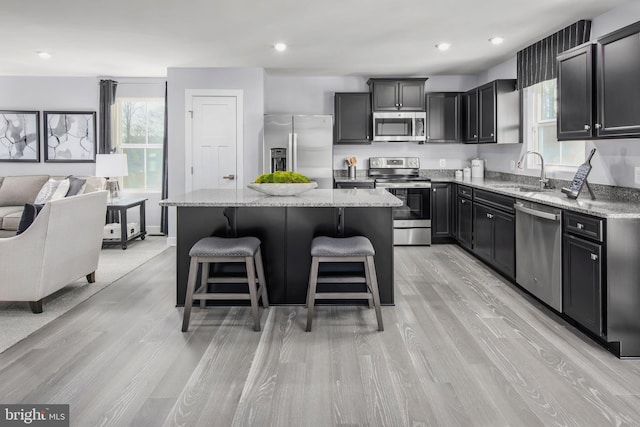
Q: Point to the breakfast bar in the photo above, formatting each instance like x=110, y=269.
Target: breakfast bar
x=286, y=227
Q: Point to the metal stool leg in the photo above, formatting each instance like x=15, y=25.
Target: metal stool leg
x=372, y=282
x=191, y=284
x=311, y=293
x=261, y=279
x=253, y=291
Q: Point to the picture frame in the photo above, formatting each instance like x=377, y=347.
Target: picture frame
x=70, y=136
x=19, y=136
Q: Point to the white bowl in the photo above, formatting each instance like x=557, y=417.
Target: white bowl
x=283, y=189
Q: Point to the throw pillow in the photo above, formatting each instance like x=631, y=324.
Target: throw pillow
x=48, y=191
x=29, y=215
x=62, y=190
x=75, y=185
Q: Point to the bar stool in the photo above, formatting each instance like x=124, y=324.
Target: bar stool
x=345, y=249
x=210, y=250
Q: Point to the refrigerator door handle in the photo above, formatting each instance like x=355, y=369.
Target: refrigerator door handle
x=295, y=153
x=289, y=153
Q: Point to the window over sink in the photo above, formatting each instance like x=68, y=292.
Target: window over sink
x=539, y=103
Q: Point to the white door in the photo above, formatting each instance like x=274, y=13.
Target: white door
x=216, y=130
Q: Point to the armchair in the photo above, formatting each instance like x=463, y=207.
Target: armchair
x=62, y=245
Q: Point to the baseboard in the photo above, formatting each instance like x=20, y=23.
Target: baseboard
x=153, y=230
x=172, y=241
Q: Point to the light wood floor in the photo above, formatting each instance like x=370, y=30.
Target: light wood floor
x=460, y=348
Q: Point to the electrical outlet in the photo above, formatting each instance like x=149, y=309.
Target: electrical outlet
x=443, y=163
x=637, y=174
x=513, y=165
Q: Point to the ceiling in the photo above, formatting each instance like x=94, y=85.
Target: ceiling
x=142, y=38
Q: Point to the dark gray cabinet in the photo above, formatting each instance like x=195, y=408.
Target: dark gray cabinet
x=618, y=83
x=441, y=212
x=355, y=184
x=464, y=217
x=397, y=94
x=352, y=112
x=471, y=116
x=492, y=113
x=599, y=88
x=576, y=113
x=444, y=116
x=582, y=282
x=494, y=231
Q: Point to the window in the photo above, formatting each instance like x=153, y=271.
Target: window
x=540, y=103
x=139, y=133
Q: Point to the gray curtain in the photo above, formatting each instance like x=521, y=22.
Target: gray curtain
x=537, y=62
x=164, y=214
x=107, y=99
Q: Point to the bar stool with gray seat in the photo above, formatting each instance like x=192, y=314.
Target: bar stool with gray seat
x=344, y=249
x=210, y=250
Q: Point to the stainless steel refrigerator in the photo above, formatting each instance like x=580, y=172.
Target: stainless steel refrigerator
x=302, y=144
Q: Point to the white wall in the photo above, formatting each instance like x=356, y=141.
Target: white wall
x=315, y=95
x=67, y=93
x=250, y=81
x=48, y=94
x=615, y=160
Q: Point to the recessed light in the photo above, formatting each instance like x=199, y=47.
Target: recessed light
x=443, y=46
x=496, y=40
x=44, y=55
x=280, y=47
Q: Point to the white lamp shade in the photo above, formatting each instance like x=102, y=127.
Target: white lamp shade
x=111, y=165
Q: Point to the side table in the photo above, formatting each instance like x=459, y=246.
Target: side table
x=121, y=206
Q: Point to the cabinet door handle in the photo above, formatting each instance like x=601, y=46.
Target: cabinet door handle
x=401, y=105
x=579, y=226
x=230, y=177
x=475, y=136
x=492, y=134
x=462, y=202
x=489, y=216
x=597, y=125
x=594, y=257
x=587, y=127
x=434, y=190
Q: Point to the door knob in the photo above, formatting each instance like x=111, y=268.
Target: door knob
x=230, y=177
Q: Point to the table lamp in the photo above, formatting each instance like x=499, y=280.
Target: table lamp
x=112, y=166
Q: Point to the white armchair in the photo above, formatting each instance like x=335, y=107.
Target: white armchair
x=62, y=245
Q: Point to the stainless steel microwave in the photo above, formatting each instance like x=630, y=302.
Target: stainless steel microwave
x=399, y=126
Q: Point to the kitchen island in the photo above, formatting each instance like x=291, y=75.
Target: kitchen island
x=286, y=226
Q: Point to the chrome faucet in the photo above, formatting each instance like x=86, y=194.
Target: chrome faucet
x=544, y=182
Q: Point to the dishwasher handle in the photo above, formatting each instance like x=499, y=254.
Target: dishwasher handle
x=534, y=212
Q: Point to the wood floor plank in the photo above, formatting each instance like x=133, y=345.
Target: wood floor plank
x=461, y=347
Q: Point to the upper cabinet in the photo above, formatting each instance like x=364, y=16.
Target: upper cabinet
x=444, y=116
x=352, y=124
x=492, y=113
x=397, y=94
x=575, y=93
x=599, y=88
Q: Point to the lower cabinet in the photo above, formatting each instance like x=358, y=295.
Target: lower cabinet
x=494, y=238
x=355, y=184
x=465, y=222
x=582, y=282
x=441, y=212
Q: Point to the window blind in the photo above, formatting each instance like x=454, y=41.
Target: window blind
x=537, y=62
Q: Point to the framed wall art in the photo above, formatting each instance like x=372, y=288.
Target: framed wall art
x=19, y=136
x=70, y=136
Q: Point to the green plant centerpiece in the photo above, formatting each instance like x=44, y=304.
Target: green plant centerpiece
x=282, y=177
x=282, y=183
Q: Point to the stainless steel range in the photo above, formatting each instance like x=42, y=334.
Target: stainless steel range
x=401, y=177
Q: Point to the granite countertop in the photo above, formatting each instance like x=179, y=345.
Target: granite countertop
x=602, y=207
x=349, y=198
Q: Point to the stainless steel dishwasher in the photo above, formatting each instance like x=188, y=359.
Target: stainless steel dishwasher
x=539, y=251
